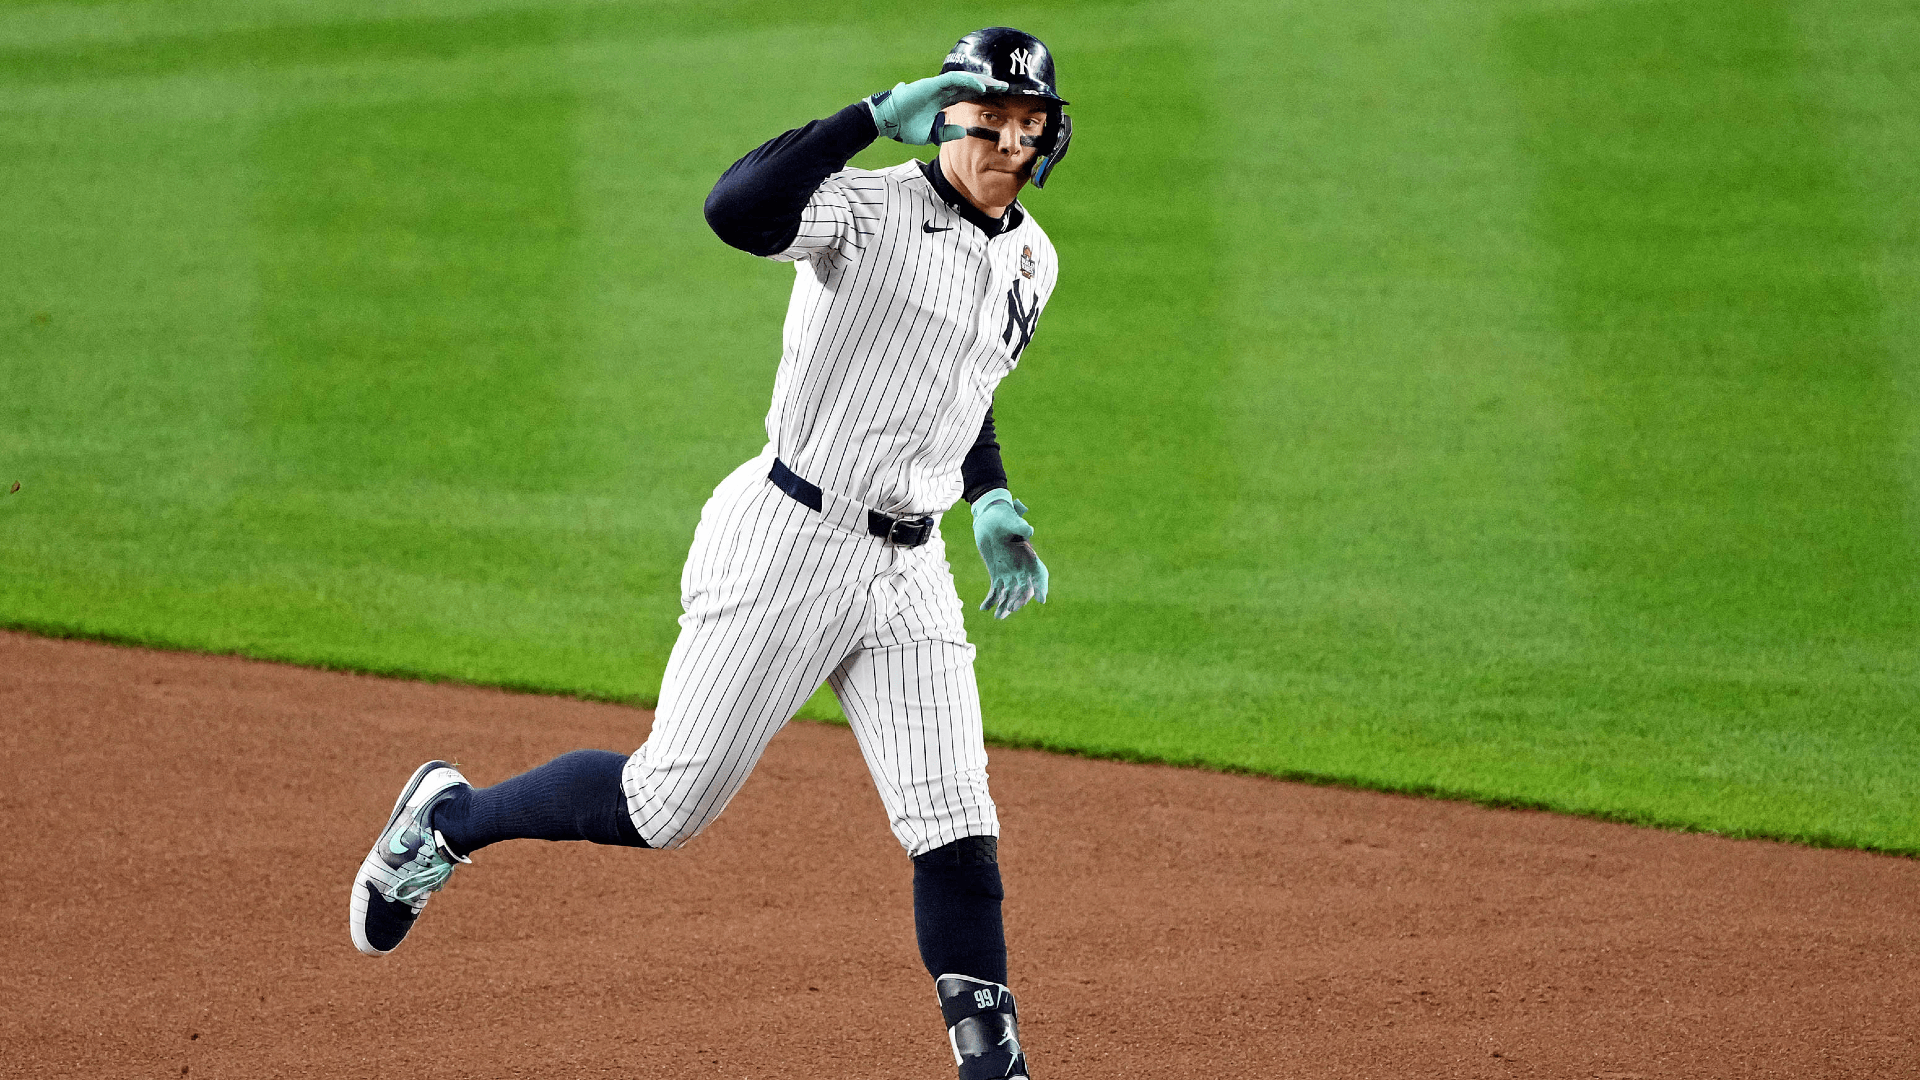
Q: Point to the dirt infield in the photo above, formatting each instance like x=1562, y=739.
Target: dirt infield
x=182, y=832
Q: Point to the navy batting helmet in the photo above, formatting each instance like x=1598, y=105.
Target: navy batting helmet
x=1022, y=62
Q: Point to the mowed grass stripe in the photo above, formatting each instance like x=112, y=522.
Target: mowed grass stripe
x=1738, y=447
x=1400, y=562
x=416, y=253
x=126, y=302
x=1111, y=427
x=1743, y=549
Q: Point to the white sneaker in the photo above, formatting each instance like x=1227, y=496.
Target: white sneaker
x=409, y=862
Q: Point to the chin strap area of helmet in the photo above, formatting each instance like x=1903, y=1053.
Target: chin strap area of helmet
x=1053, y=146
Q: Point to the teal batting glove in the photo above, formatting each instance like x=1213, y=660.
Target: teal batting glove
x=910, y=112
x=1016, y=573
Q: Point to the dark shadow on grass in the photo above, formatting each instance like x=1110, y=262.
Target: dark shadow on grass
x=441, y=37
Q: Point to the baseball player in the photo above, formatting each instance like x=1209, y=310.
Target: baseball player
x=916, y=289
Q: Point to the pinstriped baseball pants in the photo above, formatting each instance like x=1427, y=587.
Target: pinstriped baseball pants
x=777, y=600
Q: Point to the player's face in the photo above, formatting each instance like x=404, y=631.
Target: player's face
x=991, y=164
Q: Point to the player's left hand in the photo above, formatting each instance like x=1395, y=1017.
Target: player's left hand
x=1015, y=570
x=910, y=112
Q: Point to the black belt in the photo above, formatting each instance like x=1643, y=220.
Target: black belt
x=903, y=532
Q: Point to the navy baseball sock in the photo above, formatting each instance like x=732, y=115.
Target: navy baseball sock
x=575, y=796
x=956, y=909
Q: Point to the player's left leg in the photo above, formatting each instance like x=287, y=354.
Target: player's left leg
x=910, y=696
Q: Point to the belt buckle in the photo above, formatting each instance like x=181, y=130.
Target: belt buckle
x=909, y=532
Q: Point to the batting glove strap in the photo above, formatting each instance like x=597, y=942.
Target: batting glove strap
x=911, y=112
x=963, y=997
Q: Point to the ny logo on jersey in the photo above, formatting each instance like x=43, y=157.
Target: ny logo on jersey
x=1022, y=61
x=1020, y=318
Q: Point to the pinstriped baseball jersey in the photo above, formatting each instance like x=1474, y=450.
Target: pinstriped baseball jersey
x=908, y=308
x=903, y=320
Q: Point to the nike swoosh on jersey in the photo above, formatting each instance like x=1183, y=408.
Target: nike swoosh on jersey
x=927, y=226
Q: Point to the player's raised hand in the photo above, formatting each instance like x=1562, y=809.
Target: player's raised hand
x=1014, y=569
x=910, y=112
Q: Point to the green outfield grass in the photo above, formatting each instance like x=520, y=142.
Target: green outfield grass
x=1516, y=400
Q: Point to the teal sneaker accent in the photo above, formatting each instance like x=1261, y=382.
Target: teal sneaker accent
x=435, y=867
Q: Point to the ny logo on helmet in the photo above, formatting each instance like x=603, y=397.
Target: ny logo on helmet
x=1022, y=61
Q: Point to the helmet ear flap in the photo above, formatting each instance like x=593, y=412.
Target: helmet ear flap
x=1054, y=139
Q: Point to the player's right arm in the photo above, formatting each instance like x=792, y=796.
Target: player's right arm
x=768, y=198
x=776, y=201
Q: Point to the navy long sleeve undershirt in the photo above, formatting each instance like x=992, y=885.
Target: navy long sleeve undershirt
x=981, y=471
x=757, y=205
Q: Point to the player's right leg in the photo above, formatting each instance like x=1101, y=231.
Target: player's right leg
x=407, y=865
x=440, y=819
x=774, y=596
x=773, y=600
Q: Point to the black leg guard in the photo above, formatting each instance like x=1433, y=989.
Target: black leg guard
x=956, y=910
x=982, y=1025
